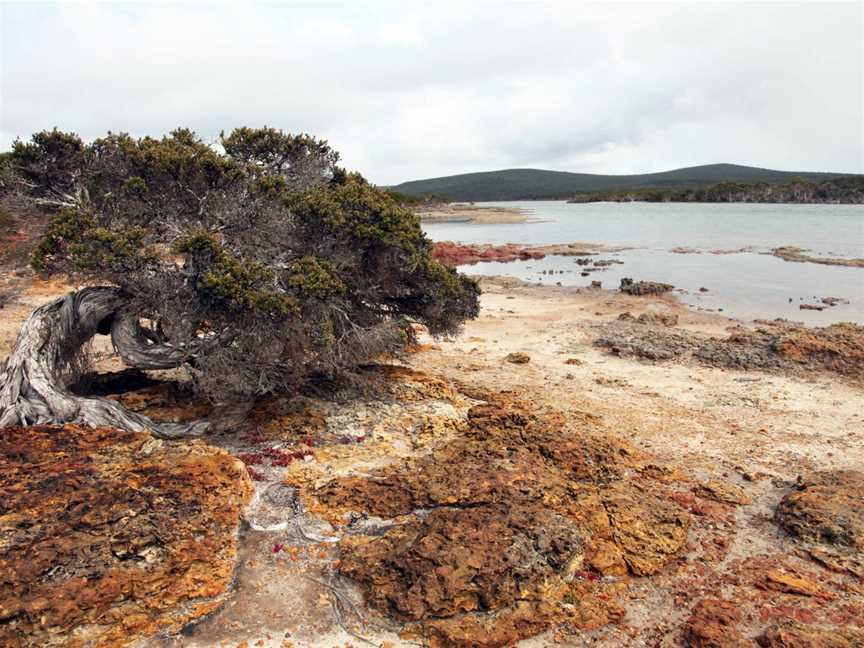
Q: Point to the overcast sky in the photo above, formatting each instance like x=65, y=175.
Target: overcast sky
x=407, y=90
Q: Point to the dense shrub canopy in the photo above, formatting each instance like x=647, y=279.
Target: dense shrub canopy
x=263, y=264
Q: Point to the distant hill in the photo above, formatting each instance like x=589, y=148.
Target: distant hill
x=536, y=184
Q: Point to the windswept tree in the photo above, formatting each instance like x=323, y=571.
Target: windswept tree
x=252, y=269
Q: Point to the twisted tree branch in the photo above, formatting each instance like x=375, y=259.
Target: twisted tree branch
x=32, y=383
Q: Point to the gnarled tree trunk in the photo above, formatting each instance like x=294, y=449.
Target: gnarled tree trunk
x=33, y=387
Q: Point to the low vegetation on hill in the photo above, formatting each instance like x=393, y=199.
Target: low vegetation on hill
x=846, y=189
x=537, y=184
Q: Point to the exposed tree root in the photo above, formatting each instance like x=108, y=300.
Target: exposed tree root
x=34, y=386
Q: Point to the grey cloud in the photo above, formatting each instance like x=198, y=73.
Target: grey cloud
x=408, y=90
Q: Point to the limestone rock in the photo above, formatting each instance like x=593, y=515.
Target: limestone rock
x=649, y=531
x=462, y=560
x=777, y=346
x=108, y=536
x=650, y=318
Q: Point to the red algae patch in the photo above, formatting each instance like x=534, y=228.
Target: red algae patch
x=455, y=254
x=109, y=536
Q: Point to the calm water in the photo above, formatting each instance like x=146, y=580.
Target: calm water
x=748, y=285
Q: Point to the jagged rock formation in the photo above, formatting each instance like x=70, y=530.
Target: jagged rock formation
x=106, y=535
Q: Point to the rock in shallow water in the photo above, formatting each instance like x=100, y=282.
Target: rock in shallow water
x=107, y=536
x=631, y=287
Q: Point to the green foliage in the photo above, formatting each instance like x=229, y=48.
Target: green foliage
x=269, y=150
x=364, y=214
x=49, y=159
x=448, y=282
x=103, y=248
x=236, y=284
x=134, y=187
x=314, y=277
x=89, y=248
x=410, y=200
x=68, y=226
x=182, y=159
x=47, y=146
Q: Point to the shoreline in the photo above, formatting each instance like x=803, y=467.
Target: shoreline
x=454, y=213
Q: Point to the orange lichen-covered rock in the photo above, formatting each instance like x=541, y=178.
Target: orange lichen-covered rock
x=524, y=521
x=714, y=624
x=839, y=347
x=108, y=535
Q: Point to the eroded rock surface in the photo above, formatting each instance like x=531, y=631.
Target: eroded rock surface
x=106, y=536
x=780, y=346
x=522, y=522
x=827, y=508
x=714, y=624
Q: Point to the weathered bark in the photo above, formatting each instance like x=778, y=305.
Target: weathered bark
x=33, y=387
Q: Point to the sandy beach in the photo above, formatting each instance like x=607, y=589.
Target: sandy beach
x=456, y=213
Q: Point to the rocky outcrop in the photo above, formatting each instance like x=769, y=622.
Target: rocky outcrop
x=714, y=624
x=506, y=530
x=781, y=346
x=826, y=508
x=108, y=536
x=639, y=288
